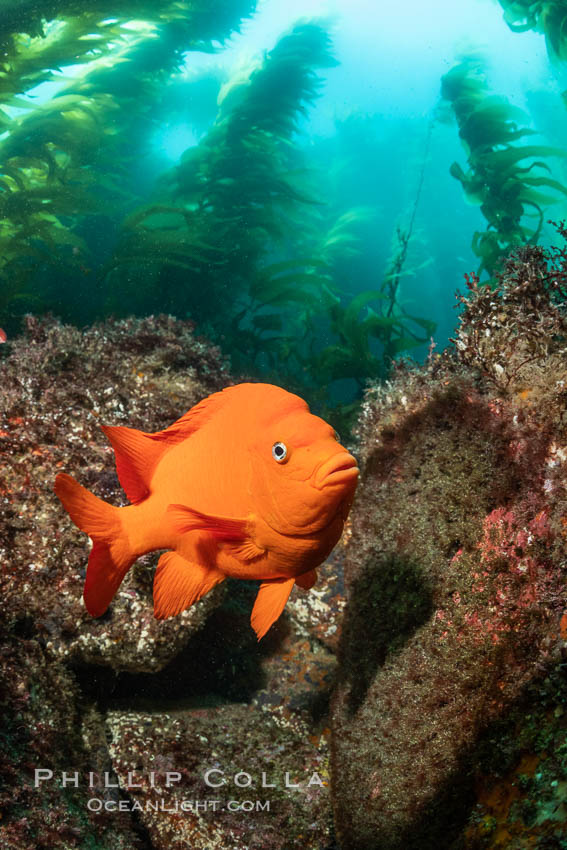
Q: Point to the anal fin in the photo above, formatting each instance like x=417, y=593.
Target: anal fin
x=179, y=583
x=105, y=572
x=270, y=603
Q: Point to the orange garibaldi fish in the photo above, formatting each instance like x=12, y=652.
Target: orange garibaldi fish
x=247, y=484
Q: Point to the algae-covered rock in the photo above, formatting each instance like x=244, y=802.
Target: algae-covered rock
x=455, y=571
x=236, y=705
x=237, y=779
x=520, y=787
x=318, y=613
x=125, y=692
x=57, y=386
x=46, y=727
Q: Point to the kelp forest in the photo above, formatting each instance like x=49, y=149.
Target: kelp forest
x=248, y=234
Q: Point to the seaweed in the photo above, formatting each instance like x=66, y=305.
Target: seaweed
x=353, y=357
x=232, y=198
x=69, y=158
x=239, y=235
x=240, y=239
x=216, y=243
x=511, y=182
x=385, y=320
x=546, y=16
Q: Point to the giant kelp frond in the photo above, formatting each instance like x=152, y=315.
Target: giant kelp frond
x=546, y=16
x=27, y=62
x=277, y=94
x=246, y=147
x=355, y=324
x=276, y=324
x=343, y=238
x=522, y=15
x=238, y=242
x=376, y=315
x=484, y=119
x=71, y=156
x=504, y=177
x=238, y=192
x=45, y=38
x=372, y=329
x=553, y=22
x=59, y=34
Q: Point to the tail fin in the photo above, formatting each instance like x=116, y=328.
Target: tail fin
x=110, y=557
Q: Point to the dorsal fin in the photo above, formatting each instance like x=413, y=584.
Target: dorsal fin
x=194, y=419
x=138, y=452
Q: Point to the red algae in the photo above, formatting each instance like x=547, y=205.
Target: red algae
x=455, y=575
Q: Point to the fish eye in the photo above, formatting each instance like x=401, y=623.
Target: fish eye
x=279, y=452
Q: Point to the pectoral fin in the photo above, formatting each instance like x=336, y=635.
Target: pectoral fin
x=179, y=583
x=246, y=551
x=270, y=603
x=307, y=580
x=224, y=529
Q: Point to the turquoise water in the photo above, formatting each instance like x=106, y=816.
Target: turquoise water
x=185, y=163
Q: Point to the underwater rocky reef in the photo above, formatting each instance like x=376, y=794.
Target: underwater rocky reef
x=449, y=714
x=442, y=654
x=126, y=692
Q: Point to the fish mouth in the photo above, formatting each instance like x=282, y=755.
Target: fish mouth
x=340, y=468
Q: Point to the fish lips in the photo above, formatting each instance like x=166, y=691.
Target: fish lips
x=339, y=470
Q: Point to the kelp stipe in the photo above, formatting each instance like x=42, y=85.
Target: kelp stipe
x=383, y=317
x=507, y=191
